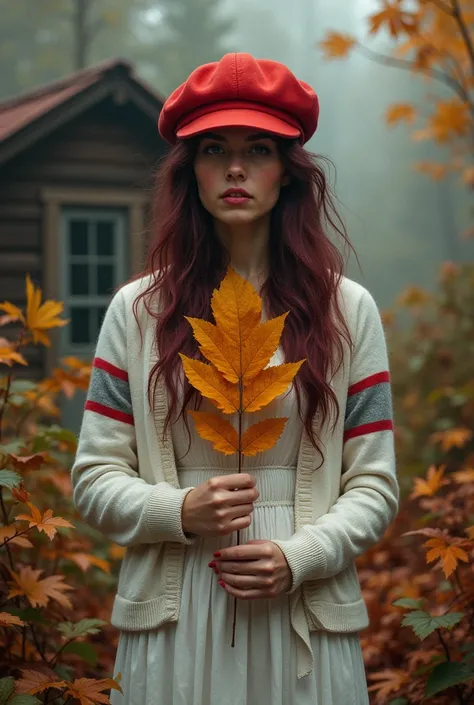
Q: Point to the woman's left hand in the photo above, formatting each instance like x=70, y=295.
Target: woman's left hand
x=253, y=571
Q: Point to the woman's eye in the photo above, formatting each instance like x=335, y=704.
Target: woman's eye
x=260, y=149
x=213, y=149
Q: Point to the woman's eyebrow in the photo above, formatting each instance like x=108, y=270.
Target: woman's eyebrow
x=213, y=136
x=259, y=136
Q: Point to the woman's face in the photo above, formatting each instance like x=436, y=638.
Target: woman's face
x=239, y=174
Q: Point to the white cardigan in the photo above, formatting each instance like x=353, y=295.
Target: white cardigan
x=126, y=484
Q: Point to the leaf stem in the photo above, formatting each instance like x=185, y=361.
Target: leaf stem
x=444, y=645
x=458, y=16
x=241, y=395
x=5, y=401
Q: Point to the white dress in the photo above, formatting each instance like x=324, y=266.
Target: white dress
x=191, y=662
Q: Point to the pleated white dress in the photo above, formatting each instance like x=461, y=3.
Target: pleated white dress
x=191, y=662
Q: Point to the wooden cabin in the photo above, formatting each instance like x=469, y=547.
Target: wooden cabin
x=76, y=163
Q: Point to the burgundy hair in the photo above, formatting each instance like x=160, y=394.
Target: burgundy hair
x=187, y=262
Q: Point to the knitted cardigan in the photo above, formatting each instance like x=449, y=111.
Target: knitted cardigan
x=126, y=484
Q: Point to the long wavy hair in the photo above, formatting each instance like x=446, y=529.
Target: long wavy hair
x=187, y=261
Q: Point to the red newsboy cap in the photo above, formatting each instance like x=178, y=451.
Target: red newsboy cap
x=241, y=91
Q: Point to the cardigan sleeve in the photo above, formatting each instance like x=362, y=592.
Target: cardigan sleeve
x=369, y=494
x=108, y=492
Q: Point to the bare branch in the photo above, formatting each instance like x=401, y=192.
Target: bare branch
x=459, y=17
x=407, y=65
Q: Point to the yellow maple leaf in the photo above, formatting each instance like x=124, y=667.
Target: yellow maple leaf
x=9, y=620
x=337, y=45
x=429, y=487
x=13, y=312
x=451, y=119
x=400, y=112
x=394, y=19
x=40, y=317
x=211, y=384
x=262, y=435
x=38, y=592
x=44, y=522
x=449, y=554
x=90, y=691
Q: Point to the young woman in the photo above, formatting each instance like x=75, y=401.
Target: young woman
x=237, y=188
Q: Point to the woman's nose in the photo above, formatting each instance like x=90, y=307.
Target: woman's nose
x=235, y=171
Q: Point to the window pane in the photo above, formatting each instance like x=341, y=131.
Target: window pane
x=80, y=328
x=100, y=313
x=78, y=237
x=79, y=279
x=105, y=238
x=105, y=279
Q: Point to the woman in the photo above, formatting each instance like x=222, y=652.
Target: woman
x=237, y=188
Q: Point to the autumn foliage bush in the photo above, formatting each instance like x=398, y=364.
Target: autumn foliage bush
x=57, y=576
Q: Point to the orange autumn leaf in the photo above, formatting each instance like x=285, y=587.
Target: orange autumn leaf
x=260, y=347
x=10, y=620
x=89, y=691
x=44, y=522
x=217, y=348
x=41, y=317
x=435, y=170
x=337, y=45
x=448, y=554
x=211, y=384
x=429, y=487
x=85, y=560
x=463, y=477
x=219, y=431
x=400, y=112
x=262, y=435
x=450, y=120
x=20, y=494
x=269, y=384
x=393, y=18
x=388, y=681
x=470, y=532
x=35, y=682
x=38, y=592
x=116, y=552
x=452, y=438
x=8, y=356
x=8, y=533
x=236, y=306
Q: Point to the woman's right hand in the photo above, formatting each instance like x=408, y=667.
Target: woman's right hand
x=220, y=505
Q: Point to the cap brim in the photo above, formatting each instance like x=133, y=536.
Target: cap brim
x=238, y=117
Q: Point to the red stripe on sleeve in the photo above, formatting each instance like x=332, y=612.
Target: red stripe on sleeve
x=111, y=369
x=366, y=428
x=369, y=382
x=109, y=412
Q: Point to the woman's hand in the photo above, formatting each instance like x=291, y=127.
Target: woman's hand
x=254, y=571
x=220, y=505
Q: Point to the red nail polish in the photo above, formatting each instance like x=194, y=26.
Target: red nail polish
x=221, y=583
x=212, y=564
x=216, y=571
x=217, y=554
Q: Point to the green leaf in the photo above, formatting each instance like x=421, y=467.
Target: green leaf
x=424, y=624
x=7, y=685
x=447, y=674
x=72, y=630
x=24, y=700
x=408, y=602
x=82, y=649
x=9, y=479
x=28, y=614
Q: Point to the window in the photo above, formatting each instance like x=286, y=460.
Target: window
x=94, y=246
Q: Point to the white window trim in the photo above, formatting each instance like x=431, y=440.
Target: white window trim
x=54, y=199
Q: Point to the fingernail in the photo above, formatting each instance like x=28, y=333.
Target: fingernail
x=212, y=564
x=217, y=554
x=221, y=583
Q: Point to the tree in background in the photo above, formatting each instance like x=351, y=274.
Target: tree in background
x=434, y=39
x=189, y=33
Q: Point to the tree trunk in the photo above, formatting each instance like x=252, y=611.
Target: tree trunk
x=81, y=34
